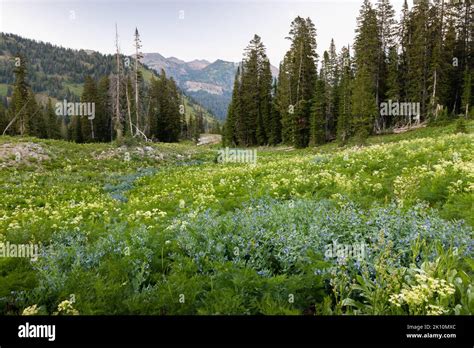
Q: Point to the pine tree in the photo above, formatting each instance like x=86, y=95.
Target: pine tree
x=393, y=75
x=103, y=118
x=463, y=12
x=303, y=75
x=364, y=108
x=76, y=133
x=249, y=95
x=174, y=116
x=53, y=123
x=198, y=126
x=233, y=113
x=184, y=123
x=387, y=59
x=344, y=119
x=367, y=46
x=164, y=118
x=283, y=103
x=467, y=97
x=332, y=97
x=404, y=29
x=274, y=133
x=191, y=127
x=254, y=94
x=392, y=84
x=301, y=120
x=319, y=114
x=250, y=110
x=418, y=56
x=450, y=63
x=36, y=122
x=89, y=95
x=330, y=76
x=437, y=72
x=265, y=99
x=18, y=113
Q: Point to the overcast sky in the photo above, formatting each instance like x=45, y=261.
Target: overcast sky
x=189, y=29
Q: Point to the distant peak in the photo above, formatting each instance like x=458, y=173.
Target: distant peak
x=176, y=60
x=198, y=64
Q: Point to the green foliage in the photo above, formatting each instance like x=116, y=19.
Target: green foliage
x=461, y=126
x=208, y=240
x=164, y=118
x=250, y=110
x=318, y=134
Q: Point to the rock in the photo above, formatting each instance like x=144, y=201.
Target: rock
x=12, y=154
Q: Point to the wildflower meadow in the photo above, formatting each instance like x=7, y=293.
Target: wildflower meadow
x=384, y=228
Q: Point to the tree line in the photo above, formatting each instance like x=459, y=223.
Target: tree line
x=125, y=106
x=425, y=58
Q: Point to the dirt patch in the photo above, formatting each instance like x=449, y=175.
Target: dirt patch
x=124, y=152
x=13, y=154
x=209, y=139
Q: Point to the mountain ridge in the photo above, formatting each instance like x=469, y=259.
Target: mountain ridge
x=209, y=83
x=58, y=72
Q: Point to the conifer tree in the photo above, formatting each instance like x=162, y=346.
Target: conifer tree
x=404, y=30
x=467, y=97
x=344, y=120
x=53, y=123
x=330, y=76
x=303, y=75
x=250, y=111
x=164, y=117
x=36, y=121
x=89, y=95
x=387, y=58
x=18, y=112
x=274, y=134
x=319, y=114
x=265, y=102
x=418, y=56
x=233, y=113
x=283, y=102
x=103, y=118
x=367, y=46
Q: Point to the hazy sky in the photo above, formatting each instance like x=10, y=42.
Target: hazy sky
x=189, y=29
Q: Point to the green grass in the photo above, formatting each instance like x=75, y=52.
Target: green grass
x=75, y=88
x=3, y=89
x=132, y=236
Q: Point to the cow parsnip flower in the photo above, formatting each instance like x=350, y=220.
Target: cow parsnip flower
x=31, y=310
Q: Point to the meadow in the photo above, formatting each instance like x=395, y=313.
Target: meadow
x=165, y=229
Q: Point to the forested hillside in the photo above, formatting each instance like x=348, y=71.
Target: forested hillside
x=399, y=72
x=64, y=74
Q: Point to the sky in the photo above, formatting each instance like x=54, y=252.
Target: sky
x=186, y=29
